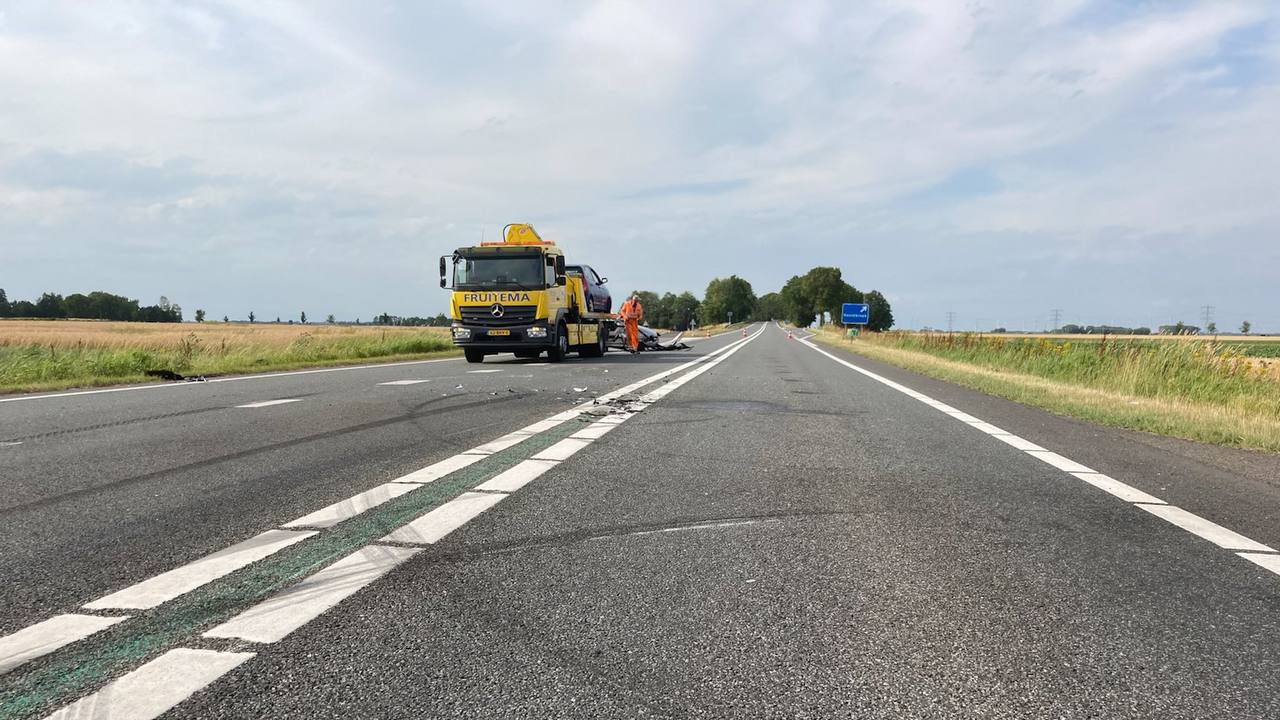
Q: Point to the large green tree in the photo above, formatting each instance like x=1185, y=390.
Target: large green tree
x=683, y=308
x=4, y=304
x=820, y=290
x=79, y=305
x=880, y=314
x=725, y=295
x=50, y=305
x=770, y=307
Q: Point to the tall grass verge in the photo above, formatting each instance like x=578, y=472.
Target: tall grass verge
x=1197, y=390
x=43, y=356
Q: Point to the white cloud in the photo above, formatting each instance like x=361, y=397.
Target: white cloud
x=693, y=129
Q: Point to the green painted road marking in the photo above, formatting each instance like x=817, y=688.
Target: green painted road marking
x=79, y=669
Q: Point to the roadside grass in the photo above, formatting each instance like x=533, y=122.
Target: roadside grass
x=1197, y=390
x=56, y=354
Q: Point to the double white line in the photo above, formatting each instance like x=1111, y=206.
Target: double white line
x=183, y=671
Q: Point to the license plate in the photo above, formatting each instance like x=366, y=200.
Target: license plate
x=492, y=333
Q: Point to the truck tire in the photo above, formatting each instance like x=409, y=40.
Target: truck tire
x=560, y=348
x=474, y=356
x=599, y=347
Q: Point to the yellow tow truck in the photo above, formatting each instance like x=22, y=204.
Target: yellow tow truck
x=515, y=296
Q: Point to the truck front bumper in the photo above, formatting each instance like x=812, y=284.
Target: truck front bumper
x=503, y=339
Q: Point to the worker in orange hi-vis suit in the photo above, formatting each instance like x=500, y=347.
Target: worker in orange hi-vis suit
x=631, y=313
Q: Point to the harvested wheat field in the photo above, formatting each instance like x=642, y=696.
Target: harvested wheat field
x=48, y=354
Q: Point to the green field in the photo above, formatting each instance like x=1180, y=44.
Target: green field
x=53, y=354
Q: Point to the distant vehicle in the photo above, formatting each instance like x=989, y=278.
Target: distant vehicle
x=598, y=297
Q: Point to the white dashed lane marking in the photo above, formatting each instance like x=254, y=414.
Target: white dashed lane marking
x=45, y=637
x=436, y=524
x=514, y=478
x=56, y=632
x=475, y=372
x=169, y=585
x=269, y=403
x=151, y=690
x=280, y=615
x=404, y=382
x=242, y=378
x=352, y=506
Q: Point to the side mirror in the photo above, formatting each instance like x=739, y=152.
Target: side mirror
x=443, y=267
x=604, y=280
x=560, y=280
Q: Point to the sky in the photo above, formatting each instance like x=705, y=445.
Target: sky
x=1116, y=161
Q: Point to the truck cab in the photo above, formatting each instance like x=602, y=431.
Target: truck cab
x=517, y=296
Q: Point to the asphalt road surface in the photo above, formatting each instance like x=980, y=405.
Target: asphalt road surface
x=758, y=527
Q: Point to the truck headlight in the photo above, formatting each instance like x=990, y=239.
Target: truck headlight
x=536, y=331
x=460, y=333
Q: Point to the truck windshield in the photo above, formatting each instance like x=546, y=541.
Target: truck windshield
x=521, y=272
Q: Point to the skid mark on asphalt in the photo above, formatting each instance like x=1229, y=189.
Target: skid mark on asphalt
x=424, y=409
x=115, y=423
x=1252, y=550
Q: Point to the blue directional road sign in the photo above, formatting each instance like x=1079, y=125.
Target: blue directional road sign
x=855, y=313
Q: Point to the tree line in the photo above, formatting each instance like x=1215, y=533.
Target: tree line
x=97, y=305
x=800, y=301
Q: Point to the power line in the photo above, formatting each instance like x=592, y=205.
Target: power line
x=1208, y=316
x=1057, y=319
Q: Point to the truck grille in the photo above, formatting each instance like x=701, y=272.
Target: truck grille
x=512, y=315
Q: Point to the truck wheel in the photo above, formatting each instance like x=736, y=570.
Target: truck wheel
x=560, y=349
x=474, y=356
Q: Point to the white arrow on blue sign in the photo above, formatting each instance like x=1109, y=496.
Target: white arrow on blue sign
x=855, y=313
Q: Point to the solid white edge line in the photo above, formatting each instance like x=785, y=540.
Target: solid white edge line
x=293, y=607
x=168, y=585
x=1125, y=492
x=1206, y=529
x=1188, y=521
x=151, y=690
x=44, y=637
x=238, y=378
